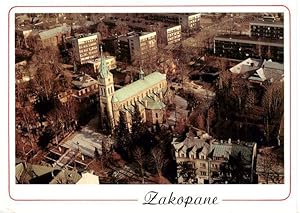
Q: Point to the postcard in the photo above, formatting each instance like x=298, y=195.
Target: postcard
x=150, y=107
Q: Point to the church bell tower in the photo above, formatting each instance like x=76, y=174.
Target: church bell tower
x=106, y=92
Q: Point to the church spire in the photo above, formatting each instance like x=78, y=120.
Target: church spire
x=103, y=69
x=141, y=74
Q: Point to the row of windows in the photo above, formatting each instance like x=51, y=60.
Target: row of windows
x=88, y=49
x=88, y=41
x=174, y=37
x=87, y=90
x=82, y=46
x=275, y=28
x=174, y=31
x=87, y=55
x=148, y=38
x=110, y=90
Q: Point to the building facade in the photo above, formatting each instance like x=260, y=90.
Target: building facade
x=147, y=94
x=188, y=21
x=258, y=71
x=138, y=47
x=84, y=86
x=110, y=61
x=172, y=35
x=55, y=36
x=267, y=28
x=86, y=48
x=207, y=158
x=243, y=47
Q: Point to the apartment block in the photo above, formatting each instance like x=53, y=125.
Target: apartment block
x=188, y=21
x=242, y=47
x=55, y=36
x=171, y=35
x=110, y=62
x=86, y=48
x=267, y=28
x=137, y=47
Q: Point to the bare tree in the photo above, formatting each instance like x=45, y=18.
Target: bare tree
x=103, y=29
x=269, y=167
x=121, y=28
x=139, y=157
x=159, y=159
x=273, y=102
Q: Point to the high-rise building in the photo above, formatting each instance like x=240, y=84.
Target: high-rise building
x=138, y=47
x=267, y=28
x=86, y=48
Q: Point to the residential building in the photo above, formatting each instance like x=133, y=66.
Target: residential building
x=259, y=70
x=270, y=28
x=39, y=174
x=138, y=47
x=190, y=21
x=84, y=86
x=22, y=34
x=147, y=94
x=86, y=48
x=242, y=47
x=55, y=36
x=170, y=35
x=110, y=61
x=166, y=33
x=207, y=156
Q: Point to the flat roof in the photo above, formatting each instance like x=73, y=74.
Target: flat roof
x=86, y=140
x=267, y=23
x=54, y=31
x=250, y=40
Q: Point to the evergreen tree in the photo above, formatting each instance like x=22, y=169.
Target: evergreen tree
x=234, y=172
x=122, y=136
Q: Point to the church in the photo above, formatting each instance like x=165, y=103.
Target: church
x=147, y=94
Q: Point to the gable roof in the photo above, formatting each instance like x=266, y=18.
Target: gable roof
x=138, y=86
x=83, y=81
x=55, y=31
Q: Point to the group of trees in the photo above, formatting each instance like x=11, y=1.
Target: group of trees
x=149, y=149
x=234, y=171
x=40, y=115
x=238, y=101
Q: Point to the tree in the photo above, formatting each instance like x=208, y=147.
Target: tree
x=234, y=171
x=273, y=103
x=96, y=154
x=159, y=159
x=181, y=125
x=120, y=28
x=139, y=159
x=122, y=136
x=103, y=29
x=270, y=165
x=187, y=172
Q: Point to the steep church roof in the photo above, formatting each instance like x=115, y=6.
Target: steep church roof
x=138, y=86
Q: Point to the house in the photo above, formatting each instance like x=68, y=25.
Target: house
x=110, y=61
x=39, y=174
x=259, y=71
x=207, y=156
x=55, y=36
x=84, y=86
